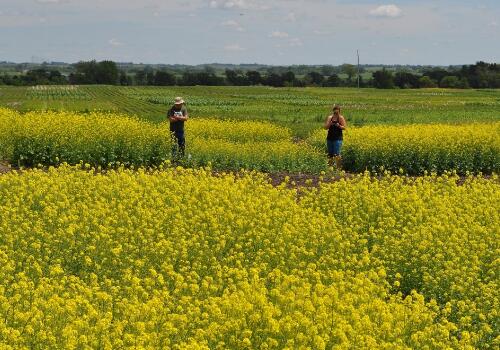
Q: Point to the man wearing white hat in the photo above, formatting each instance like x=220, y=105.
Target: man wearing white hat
x=177, y=115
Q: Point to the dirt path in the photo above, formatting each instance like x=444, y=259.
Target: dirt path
x=295, y=180
x=4, y=168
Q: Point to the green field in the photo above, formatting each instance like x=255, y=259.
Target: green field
x=301, y=109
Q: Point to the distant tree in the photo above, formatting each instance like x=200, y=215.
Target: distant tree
x=85, y=73
x=107, y=73
x=274, y=79
x=482, y=75
x=288, y=76
x=333, y=80
x=436, y=74
x=36, y=77
x=140, y=77
x=314, y=78
x=125, y=79
x=91, y=72
x=254, y=77
x=231, y=77
x=150, y=78
x=163, y=78
x=236, y=78
x=55, y=77
x=426, y=82
x=327, y=70
x=406, y=80
x=450, y=81
x=383, y=79
x=200, y=78
x=350, y=70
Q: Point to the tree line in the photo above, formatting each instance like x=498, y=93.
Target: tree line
x=479, y=75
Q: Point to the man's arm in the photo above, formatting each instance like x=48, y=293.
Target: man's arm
x=183, y=118
x=171, y=116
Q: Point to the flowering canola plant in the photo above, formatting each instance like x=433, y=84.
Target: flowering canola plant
x=109, y=139
x=182, y=259
x=472, y=147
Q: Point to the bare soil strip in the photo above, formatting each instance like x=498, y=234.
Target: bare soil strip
x=295, y=180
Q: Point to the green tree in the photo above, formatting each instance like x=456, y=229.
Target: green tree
x=254, y=77
x=332, y=80
x=383, y=79
x=163, y=78
x=426, y=82
x=314, y=78
x=107, y=73
x=450, y=81
x=350, y=70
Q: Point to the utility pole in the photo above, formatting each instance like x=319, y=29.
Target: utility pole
x=357, y=52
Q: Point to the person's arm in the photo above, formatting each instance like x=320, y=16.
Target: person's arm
x=184, y=117
x=342, y=123
x=171, y=116
x=328, y=122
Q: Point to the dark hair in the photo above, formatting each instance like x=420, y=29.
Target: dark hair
x=336, y=107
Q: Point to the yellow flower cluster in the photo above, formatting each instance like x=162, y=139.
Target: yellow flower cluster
x=431, y=235
x=182, y=259
x=50, y=138
x=236, y=131
x=472, y=147
x=107, y=139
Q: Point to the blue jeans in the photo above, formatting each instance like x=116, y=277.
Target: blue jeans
x=178, y=143
x=334, y=147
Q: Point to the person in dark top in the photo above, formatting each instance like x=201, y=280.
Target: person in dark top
x=177, y=115
x=335, y=124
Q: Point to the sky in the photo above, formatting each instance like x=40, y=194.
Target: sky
x=276, y=32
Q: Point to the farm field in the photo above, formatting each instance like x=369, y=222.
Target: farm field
x=105, y=244
x=182, y=259
x=301, y=109
x=108, y=139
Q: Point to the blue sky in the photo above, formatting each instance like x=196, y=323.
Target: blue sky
x=281, y=32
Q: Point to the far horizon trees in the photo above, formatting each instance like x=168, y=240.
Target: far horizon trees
x=478, y=76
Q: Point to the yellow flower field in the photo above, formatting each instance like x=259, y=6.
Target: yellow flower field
x=182, y=259
x=472, y=147
x=107, y=140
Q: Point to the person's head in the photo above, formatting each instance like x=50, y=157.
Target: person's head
x=336, y=109
x=178, y=102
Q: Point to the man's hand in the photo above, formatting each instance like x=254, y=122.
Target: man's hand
x=173, y=118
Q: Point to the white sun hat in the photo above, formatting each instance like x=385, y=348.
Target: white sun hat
x=178, y=101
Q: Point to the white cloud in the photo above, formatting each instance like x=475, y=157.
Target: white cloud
x=321, y=32
x=234, y=48
x=291, y=17
x=114, y=42
x=278, y=34
x=239, y=4
x=232, y=24
x=391, y=11
x=229, y=4
x=294, y=42
x=493, y=24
